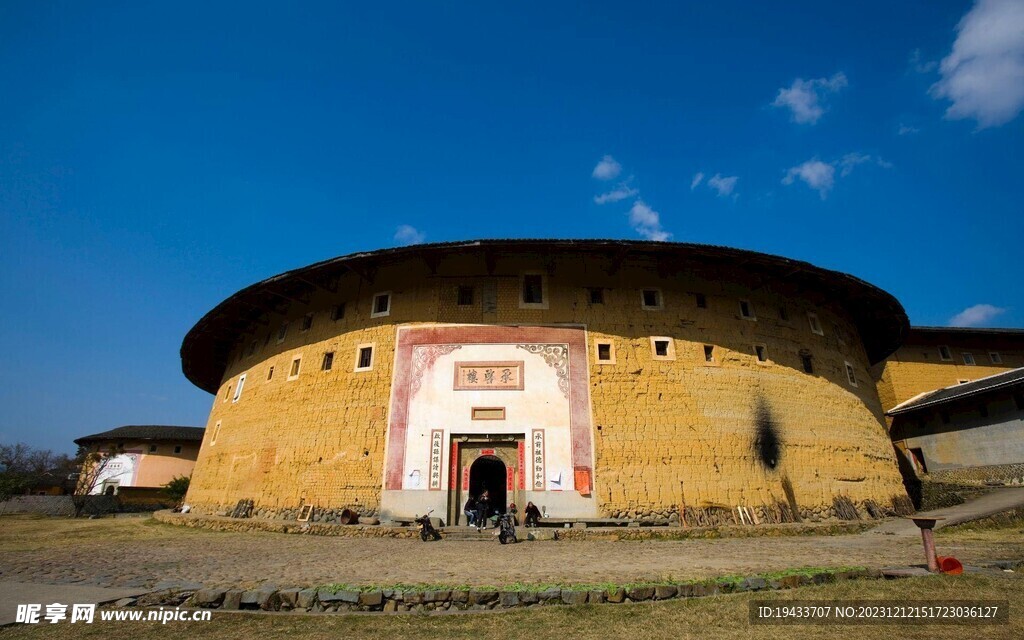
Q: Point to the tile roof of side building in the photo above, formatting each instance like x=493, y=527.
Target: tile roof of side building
x=146, y=432
x=945, y=395
x=1010, y=332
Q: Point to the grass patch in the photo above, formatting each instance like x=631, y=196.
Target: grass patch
x=588, y=586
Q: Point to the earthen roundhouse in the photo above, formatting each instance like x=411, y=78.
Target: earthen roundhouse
x=639, y=380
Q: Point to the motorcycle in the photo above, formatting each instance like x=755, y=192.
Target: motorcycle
x=427, y=530
x=507, y=528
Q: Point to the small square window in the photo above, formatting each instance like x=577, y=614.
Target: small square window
x=839, y=333
x=945, y=354
x=709, y=353
x=152, y=448
x=238, y=388
x=364, y=357
x=596, y=296
x=962, y=381
x=227, y=393
x=761, y=351
x=465, y=296
x=969, y=359
x=784, y=314
x=282, y=331
x=270, y=373
x=808, y=362
x=815, y=324
x=995, y=357
x=381, y=305
x=851, y=375
x=701, y=299
x=532, y=290
x=328, y=361
x=605, y=352
x=216, y=432
x=177, y=449
x=747, y=310
x=307, y=322
x=338, y=312
x=650, y=299
x=296, y=367
x=663, y=348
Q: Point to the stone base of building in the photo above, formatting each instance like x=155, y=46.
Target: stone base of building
x=989, y=474
x=570, y=505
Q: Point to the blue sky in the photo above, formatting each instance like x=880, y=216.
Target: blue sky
x=155, y=158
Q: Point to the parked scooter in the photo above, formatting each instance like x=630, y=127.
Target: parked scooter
x=507, y=528
x=427, y=530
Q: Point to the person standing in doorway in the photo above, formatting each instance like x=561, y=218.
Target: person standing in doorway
x=483, y=509
x=470, y=510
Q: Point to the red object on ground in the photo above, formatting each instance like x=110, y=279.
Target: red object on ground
x=950, y=565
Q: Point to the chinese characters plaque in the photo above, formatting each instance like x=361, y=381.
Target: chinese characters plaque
x=489, y=376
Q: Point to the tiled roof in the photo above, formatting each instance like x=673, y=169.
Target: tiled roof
x=146, y=432
x=879, y=317
x=946, y=395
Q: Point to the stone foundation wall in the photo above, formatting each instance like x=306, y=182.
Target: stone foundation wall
x=1000, y=473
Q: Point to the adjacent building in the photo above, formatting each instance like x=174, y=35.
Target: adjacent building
x=931, y=358
x=143, y=458
x=596, y=378
x=972, y=431
x=951, y=401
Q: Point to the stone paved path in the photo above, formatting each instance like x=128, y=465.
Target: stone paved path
x=14, y=593
x=136, y=553
x=986, y=505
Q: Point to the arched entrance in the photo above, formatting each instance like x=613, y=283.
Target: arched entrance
x=488, y=473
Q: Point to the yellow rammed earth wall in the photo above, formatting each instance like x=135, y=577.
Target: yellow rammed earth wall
x=917, y=366
x=667, y=433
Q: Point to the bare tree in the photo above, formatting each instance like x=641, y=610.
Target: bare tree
x=90, y=474
x=23, y=468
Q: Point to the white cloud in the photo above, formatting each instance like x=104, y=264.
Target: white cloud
x=647, y=222
x=906, y=129
x=407, y=234
x=919, y=65
x=816, y=174
x=983, y=76
x=697, y=179
x=620, y=192
x=803, y=98
x=977, y=316
x=851, y=160
x=723, y=185
x=821, y=176
x=607, y=169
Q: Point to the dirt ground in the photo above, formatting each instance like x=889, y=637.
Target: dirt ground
x=139, y=552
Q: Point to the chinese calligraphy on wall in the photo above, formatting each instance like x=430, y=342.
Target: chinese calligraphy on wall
x=538, y=459
x=436, y=442
x=494, y=376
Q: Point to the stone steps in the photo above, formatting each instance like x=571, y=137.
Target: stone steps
x=469, y=534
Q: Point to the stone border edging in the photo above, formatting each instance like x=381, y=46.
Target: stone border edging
x=224, y=523
x=371, y=599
